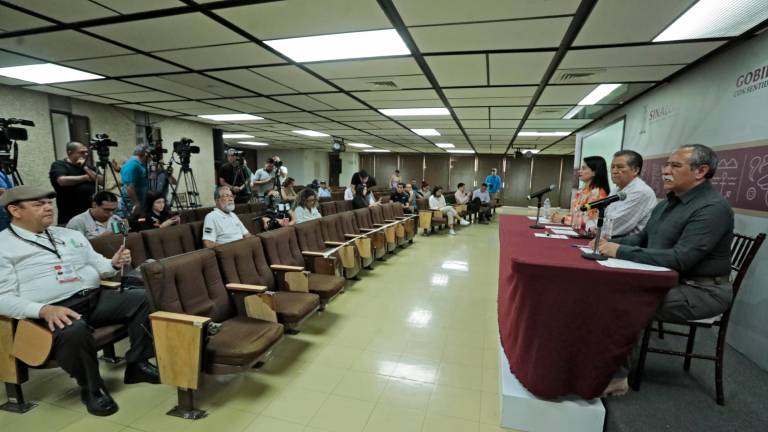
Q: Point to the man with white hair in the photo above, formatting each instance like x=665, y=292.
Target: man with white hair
x=222, y=224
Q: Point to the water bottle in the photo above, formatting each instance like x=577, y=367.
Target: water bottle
x=546, y=209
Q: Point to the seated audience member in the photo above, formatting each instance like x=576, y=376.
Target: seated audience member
x=154, y=214
x=361, y=198
x=349, y=193
x=323, y=191
x=372, y=197
x=273, y=218
x=51, y=275
x=97, y=220
x=690, y=232
x=437, y=202
x=630, y=215
x=401, y=195
x=412, y=204
x=460, y=196
x=425, y=192
x=306, y=206
x=481, y=204
x=594, y=176
x=314, y=185
x=222, y=224
x=287, y=194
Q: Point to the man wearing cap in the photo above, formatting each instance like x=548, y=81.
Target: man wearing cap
x=133, y=175
x=234, y=175
x=52, y=275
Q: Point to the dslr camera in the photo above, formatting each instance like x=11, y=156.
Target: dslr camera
x=101, y=144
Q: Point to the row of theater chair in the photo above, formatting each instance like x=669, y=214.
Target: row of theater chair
x=252, y=289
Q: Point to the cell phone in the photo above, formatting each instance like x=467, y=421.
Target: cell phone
x=119, y=227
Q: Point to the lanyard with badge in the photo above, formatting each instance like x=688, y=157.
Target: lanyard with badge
x=64, y=272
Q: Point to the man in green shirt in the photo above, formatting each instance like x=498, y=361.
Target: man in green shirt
x=690, y=232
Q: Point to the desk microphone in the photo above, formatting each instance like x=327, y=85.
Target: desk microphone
x=537, y=194
x=620, y=196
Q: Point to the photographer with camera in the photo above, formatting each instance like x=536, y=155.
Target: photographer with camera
x=234, y=175
x=74, y=182
x=133, y=175
x=263, y=180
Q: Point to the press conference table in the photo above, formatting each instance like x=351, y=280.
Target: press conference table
x=567, y=323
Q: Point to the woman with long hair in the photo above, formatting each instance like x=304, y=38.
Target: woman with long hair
x=306, y=206
x=154, y=214
x=437, y=202
x=287, y=194
x=593, y=175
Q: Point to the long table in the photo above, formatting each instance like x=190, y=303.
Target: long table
x=567, y=323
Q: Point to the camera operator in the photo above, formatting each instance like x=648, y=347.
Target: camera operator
x=234, y=175
x=161, y=178
x=278, y=213
x=74, y=182
x=263, y=180
x=133, y=175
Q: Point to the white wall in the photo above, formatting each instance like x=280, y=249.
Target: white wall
x=303, y=165
x=704, y=106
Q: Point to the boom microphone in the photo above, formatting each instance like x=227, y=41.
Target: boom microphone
x=542, y=192
x=620, y=196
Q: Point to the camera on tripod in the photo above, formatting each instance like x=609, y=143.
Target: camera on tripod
x=101, y=143
x=184, y=149
x=156, y=151
x=276, y=211
x=10, y=134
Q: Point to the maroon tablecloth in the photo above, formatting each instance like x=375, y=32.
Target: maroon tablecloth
x=568, y=323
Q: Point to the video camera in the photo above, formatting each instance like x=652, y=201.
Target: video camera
x=101, y=143
x=184, y=149
x=156, y=151
x=10, y=134
x=276, y=210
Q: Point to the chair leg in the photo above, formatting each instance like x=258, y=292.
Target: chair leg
x=186, y=407
x=16, y=402
x=637, y=376
x=719, y=358
x=109, y=356
x=689, y=347
x=661, y=329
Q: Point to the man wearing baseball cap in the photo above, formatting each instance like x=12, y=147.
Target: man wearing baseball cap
x=52, y=275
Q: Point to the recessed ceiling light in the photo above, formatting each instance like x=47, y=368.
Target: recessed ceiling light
x=253, y=143
x=445, y=145
x=358, y=145
x=572, y=113
x=310, y=133
x=230, y=117
x=598, y=94
x=533, y=133
x=235, y=136
x=460, y=151
x=402, y=112
x=373, y=150
x=715, y=18
x=376, y=43
x=426, y=132
x=47, y=73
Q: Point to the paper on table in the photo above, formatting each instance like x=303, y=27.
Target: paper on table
x=554, y=236
x=630, y=265
x=564, y=231
x=541, y=219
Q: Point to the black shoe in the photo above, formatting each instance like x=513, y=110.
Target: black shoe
x=143, y=371
x=100, y=403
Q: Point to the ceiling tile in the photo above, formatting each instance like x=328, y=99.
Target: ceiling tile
x=207, y=84
x=294, y=77
x=252, y=81
x=303, y=102
x=417, y=103
x=424, y=12
x=500, y=101
x=463, y=70
x=637, y=55
x=100, y=87
x=54, y=90
x=180, y=105
x=221, y=56
x=564, y=95
x=7, y=59
x=519, y=68
x=397, y=95
x=507, y=112
x=567, y=125
x=131, y=64
x=338, y=101
x=145, y=96
x=172, y=87
x=540, y=33
x=133, y=6
x=98, y=99
x=234, y=104
x=267, y=105
x=366, y=68
x=179, y=31
x=471, y=113
x=491, y=92
x=13, y=20
x=67, y=11
x=505, y=123
x=61, y=45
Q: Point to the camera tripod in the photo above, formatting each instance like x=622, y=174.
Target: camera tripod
x=188, y=186
x=104, y=167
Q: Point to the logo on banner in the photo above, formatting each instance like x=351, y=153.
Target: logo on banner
x=751, y=81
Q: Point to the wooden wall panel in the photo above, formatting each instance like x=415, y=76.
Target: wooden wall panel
x=516, y=182
x=484, y=165
x=386, y=164
x=411, y=167
x=462, y=171
x=546, y=171
x=366, y=163
x=436, y=170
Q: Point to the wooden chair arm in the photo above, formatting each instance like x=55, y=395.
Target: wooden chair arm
x=179, y=340
x=333, y=243
x=351, y=236
x=314, y=254
x=286, y=268
x=366, y=230
x=32, y=342
x=255, y=289
x=193, y=320
x=106, y=284
x=261, y=306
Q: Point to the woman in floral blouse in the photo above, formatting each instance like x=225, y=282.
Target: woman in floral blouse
x=594, y=177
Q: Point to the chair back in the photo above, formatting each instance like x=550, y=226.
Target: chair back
x=343, y=205
x=107, y=245
x=377, y=214
x=363, y=218
x=282, y=246
x=197, y=233
x=743, y=251
x=388, y=210
x=328, y=208
x=256, y=207
x=332, y=229
x=200, y=212
x=422, y=203
x=253, y=226
x=187, y=216
x=398, y=210
x=243, y=261
x=242, y=208
x=349, y=223
x=310, y=236
x=165, y=242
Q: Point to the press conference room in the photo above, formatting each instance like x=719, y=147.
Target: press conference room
x=383, y=215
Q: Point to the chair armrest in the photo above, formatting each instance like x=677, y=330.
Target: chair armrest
x=193, y=320
x=401, y=217
x=255, y=289
x=365, y=230
x=390, y=220
x=286, y=268
x=106, y=284
x=261, y=306
x=314, y=254
x=333, y=243
x=379, y=225
x=351, y=236
x=179, y=340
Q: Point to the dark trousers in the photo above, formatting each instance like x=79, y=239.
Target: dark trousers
x=482, y=210
x=74, y=347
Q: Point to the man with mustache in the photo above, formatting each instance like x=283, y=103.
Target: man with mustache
x=690, y=232
x=222, y=224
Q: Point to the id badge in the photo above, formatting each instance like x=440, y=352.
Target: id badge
x=65, y=273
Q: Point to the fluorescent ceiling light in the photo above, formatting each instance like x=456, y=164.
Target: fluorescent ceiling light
x=532, y=151
x=598, y=94
x=253, y=143
x=230, y=117
x=47, y=73
x=402, y=112
x=715, y=18
x=377, y=43
x=358, y=145
x=460, y=151
x=426, y=132
x=533, y=133
x=310, y=133
x=572, y=113
x=445, y=145
x=235, y=136
x=373, y=150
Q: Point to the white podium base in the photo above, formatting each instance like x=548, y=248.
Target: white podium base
x=524, y=411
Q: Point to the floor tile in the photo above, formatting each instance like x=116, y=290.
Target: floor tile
x=269, y=424
x=296, y=405
x=388, y=418
x=342, y=414
x=362, y=385
x=406, y=393
x=434, y=423
x=454, y=402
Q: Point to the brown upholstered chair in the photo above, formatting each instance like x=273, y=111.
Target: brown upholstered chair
x=189, y=294
x=169, y=241
x=343, y=205
x=286, y=260
x=315, y=252
x=429, y=219
x=333, y=229
x=243, y=262
x=242, y=208
x=187, y=216
x=390, y=229
x=337, y=195
x=256, y=207
x=388, y=212
x=313, y=237
x=197, y=233
x=373, y=245
x=365, y=225
x=398, y=211
x=328, y=208
x=107, y=245
x=200, y=212
x=252, y=222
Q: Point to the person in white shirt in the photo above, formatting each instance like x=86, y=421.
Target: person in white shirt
x=481, y=203
x=97, y=220
x=461, y=196
x=349, y=193
x=630, y=215
x=52, y=275
x=323, y=191
x=263, y=180
x=306, y=206
x=437, y=202
x=222, y=224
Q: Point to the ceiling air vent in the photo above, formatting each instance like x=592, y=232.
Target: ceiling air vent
x=577, y=74
x=383, y=85
x=552, y=110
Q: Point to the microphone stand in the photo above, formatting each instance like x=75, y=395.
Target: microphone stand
x=595, y=255
x=538, y=215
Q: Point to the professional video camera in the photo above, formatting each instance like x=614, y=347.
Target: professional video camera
x=276, y=211
x=10, y=134
x=101, y=143
x=156, y=151
x=184, y=149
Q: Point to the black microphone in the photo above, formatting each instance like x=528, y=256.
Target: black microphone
x=542, y=192
x=620, y=196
